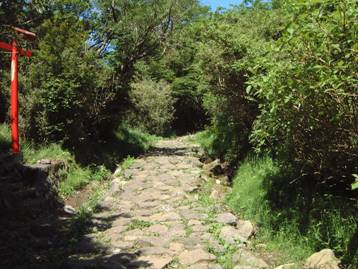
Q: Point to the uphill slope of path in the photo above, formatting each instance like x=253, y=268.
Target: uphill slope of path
x=151, y=216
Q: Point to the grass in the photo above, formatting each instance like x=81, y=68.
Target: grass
x=78, y=177
x=223, y=258
x=294, y=220
x=138, y=224
x=85, y=212
x=115, y=147
x=289, y=223
x=5, y=140
x=136, y=137
x=248, y=199
x=73, y=176
x=206, y=140
x=261, y=192
x=127, y=162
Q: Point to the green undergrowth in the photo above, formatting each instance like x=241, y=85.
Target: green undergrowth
x=113, y=148
x=206, y=140
x=80, y=223
x=127, y=162
x=293, y=221
x=223, y=258
x=5, y=141
x=138, y=224
x=77, y=175
x=136, y=137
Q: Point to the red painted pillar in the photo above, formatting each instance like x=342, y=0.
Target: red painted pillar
x=14, y=116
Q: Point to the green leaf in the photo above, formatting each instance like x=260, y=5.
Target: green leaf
x=355, y=184
x=290, y=31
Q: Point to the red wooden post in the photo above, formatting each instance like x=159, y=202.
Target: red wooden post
x=15, y=53
x=14, y=116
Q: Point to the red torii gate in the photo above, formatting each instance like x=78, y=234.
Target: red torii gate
x=14, y=103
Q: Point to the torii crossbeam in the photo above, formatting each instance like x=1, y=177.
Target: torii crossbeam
x=14, y=100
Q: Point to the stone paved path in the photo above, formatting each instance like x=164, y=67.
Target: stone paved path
x=154, y=218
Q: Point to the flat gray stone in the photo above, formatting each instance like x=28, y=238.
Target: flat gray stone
x=176, y=247
x=286, y=266
x=158, y=229
x=162, y=217
x=245, y=258
x=157, y=261
x=231, y=235
x=205, y=266
x=226, y=218
x=322, y=259
x=154, y=251
x=190, y=257
x=245, y=228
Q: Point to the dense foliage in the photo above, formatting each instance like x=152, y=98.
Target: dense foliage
x=276, y=77
x=308, y=95
x=153, y=106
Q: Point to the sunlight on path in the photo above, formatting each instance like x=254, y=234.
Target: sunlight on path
x=154, y=218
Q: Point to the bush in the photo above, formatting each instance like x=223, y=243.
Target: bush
x=231, y=43
x=67, y=96
x=308, y=93
x=74, y=176
x=153, y=106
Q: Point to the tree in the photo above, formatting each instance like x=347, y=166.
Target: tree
x=308, y=100
x=129, y=31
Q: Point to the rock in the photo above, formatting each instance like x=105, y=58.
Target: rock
x=189, y=215
x=194, y=222
x=286, y=266
x=165, y=217
x=122, y=245
x=205, y=266
x=158, y=229
x=190, y=189
x=226, y=218
x=52, y=165
x=154, y=251
x=245, y=258
x=176, y=247
x=157, y=261
x=230, y=235
x=69, y=209
x=190, y=257
x=216, y=246
x=245, y=228
x=213, y=168
x=216, y=195
x=205, y=159
x=322, y=259
x=127, y=174
x=243, y=267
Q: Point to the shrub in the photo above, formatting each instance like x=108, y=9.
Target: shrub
x=153, y=106
x=308, y=94
x=231, y=43
x=67, y=92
